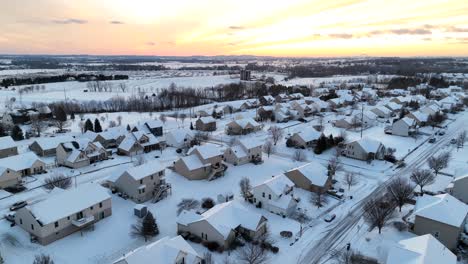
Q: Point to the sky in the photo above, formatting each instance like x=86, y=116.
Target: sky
x=299, y=28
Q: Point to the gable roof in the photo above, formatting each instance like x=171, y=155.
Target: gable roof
x=7, y=142
x=309, y=135
x=144, y=170
x=442, y=208
x=278, y=184
x=193, y=162
x=369, y=145
x=315, y=172
x=63, y=203
x=420, y=250
x=250, y=143
x=52, y=142
x=207, y=151
x=19, y=162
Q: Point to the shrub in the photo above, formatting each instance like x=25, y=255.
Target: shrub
x=211, y=245
x=274, y=249
x=207, y=203
x=195, y=239
x=400, y=226
x=286, y=234
x=266, y=245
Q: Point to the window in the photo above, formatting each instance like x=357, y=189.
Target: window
x=100, y=205
x=56, y=224
x=161, y=173
x=143, y=190
x=91, y=208
x=141, y=181
x=152, y=177
x=263, y=195
x=21, y=221
x=68, y=218
x=32, y=226
x=269, y=196
x=436, y=234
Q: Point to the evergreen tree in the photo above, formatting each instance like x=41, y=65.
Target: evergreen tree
x=321, y=145
x=97, y=126
x=191, y=126
x=331, y=141
x=72, y=116
x=88, y=125
x=128, y=128
x=146, y=228
x=2, y=131
x=17, y=133
x=60, y=114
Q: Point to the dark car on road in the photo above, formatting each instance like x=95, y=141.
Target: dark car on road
x=330, y=218
x=18, y=205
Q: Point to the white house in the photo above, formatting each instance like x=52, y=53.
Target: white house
x=179, y=138
x=276, y=195
x=404, y=127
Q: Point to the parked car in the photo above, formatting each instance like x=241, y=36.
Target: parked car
x=432, y=140
x=10, y=217
x=330, y=218
x=441, y=133
x=453, y=141
x=18, y=205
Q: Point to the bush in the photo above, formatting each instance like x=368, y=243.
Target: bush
x=195, y=239
x=400, y=226
x=211, y=245
x=390, y=158
x=286, y=234
x=274, y=249
x=266, y=245
x=207, y=203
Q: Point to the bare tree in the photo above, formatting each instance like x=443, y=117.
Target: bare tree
x=81, y=125
x=182, y=117
x=276, y=134
x=43, y=259
x=299, y=155
x=119, y=120
x=187, y=204
x=300, y=217
x=461, y=139
x=269, y=148
x=252, y=254
x=58, y=180
x=37, y=125
x=139, y=160
x=123, y=87
x=112, y=123
x=422, y=178
x=163, y=118
x=333, y=166
x=318, y=198
x=351, y=179
x=378, y=212
x=246, y=188
x=400, y=191
x=437, y=163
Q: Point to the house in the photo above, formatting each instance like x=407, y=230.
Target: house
x=246, y=150
x=421, y=118
x=443, y=216
x=192, y=168
x=222, y=223
x=248, y=104
x=267, y=100
x=275, y=195
x=304, y=110
x=365, y=149
x=401, y=100
x=179, y=138
x=141, y=183
x=207, y=123
x=281, y=98
x=7, y=147
x=318, y=104
x=64, y=212
x=110, y=138
x=47, y=147
x=346, y=122
x=155, y=127
x=24, y=164
x=208, y=154
x=296, y=96
x=423, y=249
x=394, y=107
x=305, y=138
x=430, y=109
x=404, y=127
x=203, y=162
x=80, y=153
x=382, y=111
x=242, y=126
x=139, y=142
x=165, y=251
x=460, y=187
x=312, y=176
x=283, y=113
x=366, y=118
x=9, y=178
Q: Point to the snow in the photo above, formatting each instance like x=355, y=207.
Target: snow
x=19, y=162
x=207, y=151
x=278, y=184
x=369, y=145
x=67, y=202
x=144, y=170
x=193, y=162
x=420, y=250
x=53, y=142
x=7, y=142
x=315, y=172
x=442, y=208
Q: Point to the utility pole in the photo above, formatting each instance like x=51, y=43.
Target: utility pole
x=362, y=118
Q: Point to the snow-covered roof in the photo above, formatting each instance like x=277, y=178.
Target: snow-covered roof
x=393, y=106
x=250, y=143
x=165, y=250
x=19, y=162
x=7, y=142
x=193, y=162
x=225, y=217
x=245, y=122
x=144, y=170
x=420, y=116
x=383, y=109
x=52, y=142
x=309, y=134
x=154, y=123
x=407, y=120
x=238, y=151
x=315, y=172
x=64, y=203
x=179, y=135
x=442, y=208
x=207, y=151
x=207, y=119
x=420, y=250
x=127, y=143
x=278, y=184
x=369, y=145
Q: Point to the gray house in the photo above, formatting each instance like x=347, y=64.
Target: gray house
x=311, y=176
x=47, y=147
x=7, y=147
x=365, y=149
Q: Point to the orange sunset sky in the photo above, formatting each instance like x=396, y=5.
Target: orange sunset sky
x=224, y=27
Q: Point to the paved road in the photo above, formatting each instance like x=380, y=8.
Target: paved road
x=318, y=250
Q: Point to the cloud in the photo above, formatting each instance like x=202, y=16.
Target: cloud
x=341, y=36
x=236, y=27
x=150, y=43
x=418, y=31
x=457, y=29
x=70, y=21
x=116, y=22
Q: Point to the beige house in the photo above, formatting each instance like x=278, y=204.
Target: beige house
x=9, y=178
x=305, y=139
x=275, y=195
x=202, y=162
x=423, y=249
x=246, y=150
x=365, y=149
x=165, y=251
x=222, y=223
x=80, y=153
x=64, y=212
x=7, y=147
x=404, y=127
x=442, y=216
x=192, y=168
x=460, y=188
x=141, y=183
x=179, y=138
x=139, y=142
x=24, y=164
x=47, y=147
x=381, y=111
x=242, y=126
x=312, y=176
x=205, y=124
x=110, y=138
x=266, y=100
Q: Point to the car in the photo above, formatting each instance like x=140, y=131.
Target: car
x=453, y=141
x=441, y=133
x=18, y=205
x=10, y=217
x=330, y=218
x=432, y=140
